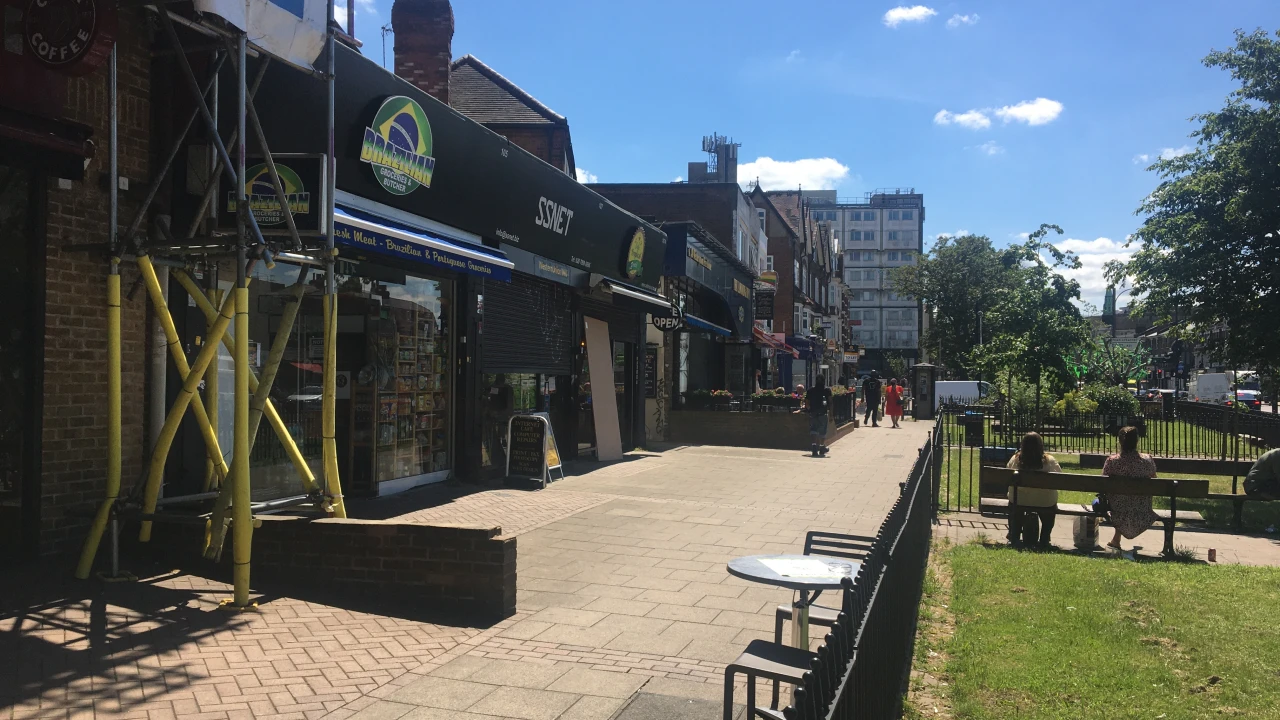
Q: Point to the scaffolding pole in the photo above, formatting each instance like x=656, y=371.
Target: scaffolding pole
x=328, y=411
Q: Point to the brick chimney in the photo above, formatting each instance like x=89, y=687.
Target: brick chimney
x=424, y=44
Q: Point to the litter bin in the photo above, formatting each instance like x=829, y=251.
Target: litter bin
x=974, y=429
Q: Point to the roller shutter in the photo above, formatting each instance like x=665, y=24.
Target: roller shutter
x=528, y=327
x=624, y=325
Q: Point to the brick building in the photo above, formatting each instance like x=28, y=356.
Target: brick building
x=54, y=219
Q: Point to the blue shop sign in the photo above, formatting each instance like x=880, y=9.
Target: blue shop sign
x=354, y=229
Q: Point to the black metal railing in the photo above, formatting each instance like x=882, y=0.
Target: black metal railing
x=883, y=607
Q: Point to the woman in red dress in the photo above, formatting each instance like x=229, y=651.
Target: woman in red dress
x=893, y=401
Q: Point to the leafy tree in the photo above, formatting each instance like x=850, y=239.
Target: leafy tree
x=1101, y=359
x=1209, y=249
x=961, y=279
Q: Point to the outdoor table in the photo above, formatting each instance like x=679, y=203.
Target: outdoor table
x=805, y=573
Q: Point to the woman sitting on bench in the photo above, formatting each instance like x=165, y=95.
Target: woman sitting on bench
x=1036, y=501
x=1131, y=515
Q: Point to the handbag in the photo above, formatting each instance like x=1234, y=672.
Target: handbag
x=1101, y=506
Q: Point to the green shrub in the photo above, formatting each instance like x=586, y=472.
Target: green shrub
x=1113, y=400
x=1074, y=403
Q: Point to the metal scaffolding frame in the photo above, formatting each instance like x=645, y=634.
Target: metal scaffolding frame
x=227, y=486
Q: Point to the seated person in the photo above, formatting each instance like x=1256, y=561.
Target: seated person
x=1131, y=515
x=1033, y=503
x=1263, y=480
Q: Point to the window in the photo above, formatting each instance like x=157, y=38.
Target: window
x=795, y=318
x=894, y=214
x=768, y=262
x=760, y=217
x=796, y=279
x=868, y=236
x=855, y=216
x=868, y=296
x=907, y=255
x=869, y=274
x=908, y=214
x=868, y=215
x=893, y=256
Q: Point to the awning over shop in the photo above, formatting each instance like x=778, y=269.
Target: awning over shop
x=700, y=324
x=804, y=348
x=634, y=298
x=362, y=231
x=694, y=254
x=770, y=341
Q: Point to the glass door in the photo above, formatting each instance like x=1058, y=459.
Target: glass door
x=19, y=345
x=623, y=357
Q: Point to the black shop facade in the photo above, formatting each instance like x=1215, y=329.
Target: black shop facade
x=475, y=282
x=712, y=347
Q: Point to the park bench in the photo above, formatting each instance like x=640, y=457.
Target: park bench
x=993, y=480
x=1234, y=469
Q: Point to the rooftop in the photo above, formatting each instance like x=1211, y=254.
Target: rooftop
x=486, y=96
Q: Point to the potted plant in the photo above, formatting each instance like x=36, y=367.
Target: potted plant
x=720, y=399
x=697, y=399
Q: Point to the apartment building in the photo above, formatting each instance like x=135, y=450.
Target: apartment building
x=876, y=234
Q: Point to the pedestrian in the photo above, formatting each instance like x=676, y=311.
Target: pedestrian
x=893, y=402
x=871, y=396
x=1263, y=480
x=818, y=403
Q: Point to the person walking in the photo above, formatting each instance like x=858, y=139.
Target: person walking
x=893, y=402
x=818, y=403
x=871, y=396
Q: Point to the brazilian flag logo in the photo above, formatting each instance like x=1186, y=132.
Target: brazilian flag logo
x=263, y=200
x=397, y=145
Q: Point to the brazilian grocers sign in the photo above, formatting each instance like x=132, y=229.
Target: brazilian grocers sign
x=475, y=180
x=397, y=145
x=303, y=179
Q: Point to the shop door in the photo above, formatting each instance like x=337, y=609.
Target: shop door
x=624, y=369
x=20, y=346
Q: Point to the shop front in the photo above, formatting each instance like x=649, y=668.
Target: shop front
x=464, y=267
x=712, y=350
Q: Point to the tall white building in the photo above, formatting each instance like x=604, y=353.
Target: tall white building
x=883, y=231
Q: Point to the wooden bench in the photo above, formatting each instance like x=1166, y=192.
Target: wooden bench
x=1003, y=478
x=1197, y=466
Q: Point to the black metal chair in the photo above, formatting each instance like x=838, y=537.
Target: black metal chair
x=827, y=544
x=784, y=664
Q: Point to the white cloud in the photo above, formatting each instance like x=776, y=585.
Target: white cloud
x=990, y=148
x=1141, y=159
x=679, y=178
x=958, y=233
x=957, y=20
x=1034, y=112
x=340, y=14
x=1094, y=255
x=974, y=119
x=810, y=173
x=1171, y=153
x=366, y=6
x=793, y=56
x=902, y=13
x=586, y=176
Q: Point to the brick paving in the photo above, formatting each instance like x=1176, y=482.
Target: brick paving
x=1231, y=548
x=622, y=594
x=628, y=597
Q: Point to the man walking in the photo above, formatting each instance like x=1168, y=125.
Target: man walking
x=818, y=404
x=871, y=396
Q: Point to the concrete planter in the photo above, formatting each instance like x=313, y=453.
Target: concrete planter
x=779, y=430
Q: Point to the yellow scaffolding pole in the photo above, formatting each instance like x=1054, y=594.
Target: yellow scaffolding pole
x=100, y=520
x=188, y=396
x=328, y=405
x=215, y=529
x=273, y=418
x=211, y=474
x=241, y=513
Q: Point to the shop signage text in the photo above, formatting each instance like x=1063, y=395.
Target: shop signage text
x=741, y=288
x=73, y=36
x=698, y=257
x=764, y=304
x=634, y=264
x=668, y=324
x=553, y=216
x=264, y=203
x=398, y=146
x=357, y=237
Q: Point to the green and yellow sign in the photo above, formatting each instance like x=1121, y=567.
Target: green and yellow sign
x=263, y=200
x=397, y=144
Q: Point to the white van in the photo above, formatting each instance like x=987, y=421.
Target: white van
x=960, y=391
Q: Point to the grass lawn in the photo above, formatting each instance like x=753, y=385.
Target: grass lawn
x=1052, y=635
x=960, y=489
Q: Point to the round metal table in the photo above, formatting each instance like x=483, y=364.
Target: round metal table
x=754, y=569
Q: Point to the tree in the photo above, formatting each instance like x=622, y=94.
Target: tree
x=961, y=279
x=1209, y=249
x=1101, y=359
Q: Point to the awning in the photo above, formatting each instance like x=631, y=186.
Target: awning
x=699, y=323
x=635, y=298
x=356, y=229
x=770, y=341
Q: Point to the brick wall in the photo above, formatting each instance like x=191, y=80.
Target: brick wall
x=74, y=428
x=549, y=143
x=424, y=44
x=451, y=568
x=778, y=430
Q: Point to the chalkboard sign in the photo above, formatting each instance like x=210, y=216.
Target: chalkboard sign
x=651, y=372
x=764, y=304
x=531, y=448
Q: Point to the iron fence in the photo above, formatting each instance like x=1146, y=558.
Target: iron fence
x=971, y=435
x=884, y=609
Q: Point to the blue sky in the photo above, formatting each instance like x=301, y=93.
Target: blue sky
x=1069, y=95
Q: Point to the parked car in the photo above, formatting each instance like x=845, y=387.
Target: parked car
x=1248, y=398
